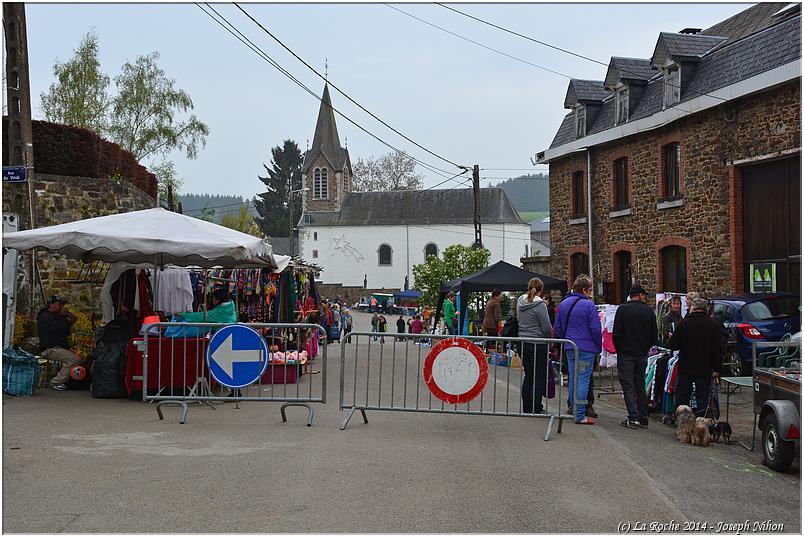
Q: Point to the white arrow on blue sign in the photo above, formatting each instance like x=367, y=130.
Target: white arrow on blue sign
x=237, y=356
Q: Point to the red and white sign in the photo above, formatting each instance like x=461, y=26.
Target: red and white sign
x=455, y=370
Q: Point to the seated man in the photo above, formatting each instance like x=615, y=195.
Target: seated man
x=54, y=323
x=223, y=310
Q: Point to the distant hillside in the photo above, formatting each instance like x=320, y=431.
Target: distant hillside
x=223, y=204
x=528, y=193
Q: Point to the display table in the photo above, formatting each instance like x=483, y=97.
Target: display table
x=732, y=383
x=188, y=357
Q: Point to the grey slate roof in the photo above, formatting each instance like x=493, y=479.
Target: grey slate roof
x=778, y=42
x=752, y=20
x=325, y=139
x=628, y=69
x=540, y=224
x=585, y=90
x=280, y=245
x=417, y=207
x=683, y=45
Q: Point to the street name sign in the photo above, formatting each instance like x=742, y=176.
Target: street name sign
x=237, y=356
x=455, y=370
x=15, y=174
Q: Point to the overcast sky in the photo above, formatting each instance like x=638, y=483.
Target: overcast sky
x=466, y=103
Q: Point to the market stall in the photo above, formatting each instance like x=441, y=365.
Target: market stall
x=156, y=240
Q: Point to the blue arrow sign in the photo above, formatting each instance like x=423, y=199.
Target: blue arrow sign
x=15, y=174
x=237, y=356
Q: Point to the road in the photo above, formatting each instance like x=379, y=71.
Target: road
x=76, y=464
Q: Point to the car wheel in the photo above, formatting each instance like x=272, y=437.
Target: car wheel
x=778, y=453
x=735, y=365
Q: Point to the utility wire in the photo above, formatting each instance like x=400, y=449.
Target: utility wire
x=479, y=44
x=523, y=36
x=257, y=50
x=325, y=79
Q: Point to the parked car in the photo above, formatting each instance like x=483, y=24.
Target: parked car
x=755, y=316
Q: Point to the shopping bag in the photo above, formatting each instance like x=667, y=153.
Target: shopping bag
x=21, y=372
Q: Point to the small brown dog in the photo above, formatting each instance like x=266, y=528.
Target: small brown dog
x=685, y=420
x=700, y=432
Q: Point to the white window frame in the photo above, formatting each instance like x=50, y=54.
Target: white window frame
x=379, y=259
x=621, y=105
x=672, y=85
x=580, y=121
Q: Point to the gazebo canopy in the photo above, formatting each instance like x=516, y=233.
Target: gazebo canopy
x=155, y=236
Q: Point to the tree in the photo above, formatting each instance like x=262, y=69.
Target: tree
x=458, y=260
x=241, y=221
x=144, y=112
x=206, y=213
x=394, y=171
x=166, y=176
x=79, y=96
x=283, y=177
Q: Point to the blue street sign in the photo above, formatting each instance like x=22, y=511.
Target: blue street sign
x=15, y=174
x=237, y=356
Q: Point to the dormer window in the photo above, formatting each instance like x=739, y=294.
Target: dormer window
x=580, y=121
x=622, y=105
x=672, y=85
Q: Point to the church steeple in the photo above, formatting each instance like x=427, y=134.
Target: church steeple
x=326, y=170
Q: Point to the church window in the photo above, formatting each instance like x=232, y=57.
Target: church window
x=315, y=254
x=320, y=183
x=385, y=255
x=430, y=249
x=315, y=235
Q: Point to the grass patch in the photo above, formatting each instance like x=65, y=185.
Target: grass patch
x=529, y=216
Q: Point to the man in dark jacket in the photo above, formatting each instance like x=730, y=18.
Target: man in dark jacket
x=634, y=334
x=700, y=356
x=54, y=324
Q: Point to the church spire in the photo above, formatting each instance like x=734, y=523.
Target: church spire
x=326, y=132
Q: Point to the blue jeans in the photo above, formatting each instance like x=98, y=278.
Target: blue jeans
x=585, y=361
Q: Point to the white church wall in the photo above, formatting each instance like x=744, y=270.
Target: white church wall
x=347, y=254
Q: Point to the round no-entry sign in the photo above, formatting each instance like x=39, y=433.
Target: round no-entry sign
x=455, y=370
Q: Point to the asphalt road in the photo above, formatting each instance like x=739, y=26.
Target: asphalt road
x=76, y=464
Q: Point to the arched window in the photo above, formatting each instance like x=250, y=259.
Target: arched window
x=320, y=183
x=385, y=255
x=580, y=265
x=674, y=269
x=430, y=249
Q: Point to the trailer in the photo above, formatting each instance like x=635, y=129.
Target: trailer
x=777, y=407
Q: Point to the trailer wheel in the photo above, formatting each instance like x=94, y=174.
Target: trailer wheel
x=778, y=453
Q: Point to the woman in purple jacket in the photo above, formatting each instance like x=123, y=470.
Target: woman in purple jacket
x=577, y=320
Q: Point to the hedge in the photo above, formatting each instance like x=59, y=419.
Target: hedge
x=78, y=152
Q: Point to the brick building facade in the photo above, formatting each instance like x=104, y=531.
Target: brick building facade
x=667, y=199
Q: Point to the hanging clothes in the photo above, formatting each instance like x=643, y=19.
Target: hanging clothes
x=173, y=291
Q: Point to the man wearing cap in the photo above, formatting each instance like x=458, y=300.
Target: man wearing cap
x=54, y=324
x=634, y=334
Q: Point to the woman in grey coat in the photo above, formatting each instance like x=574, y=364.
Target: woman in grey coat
x=534, y=322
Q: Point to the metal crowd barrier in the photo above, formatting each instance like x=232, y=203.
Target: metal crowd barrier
x=384, y=371
x=180, y=374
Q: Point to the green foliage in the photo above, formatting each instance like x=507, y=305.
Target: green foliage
x=220, y=204
x=144, y=111
x=528, y=192
x=530, y=216
x=206, y=214
x=505, y=305
x=283, y=177
x=166, y=176
x=241, y=221
x=457, y=260
x=79, y=96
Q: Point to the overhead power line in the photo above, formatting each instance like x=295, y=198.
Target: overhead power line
x=234, y=31
x=325, y=79
x=560, y=49
x=479, y=44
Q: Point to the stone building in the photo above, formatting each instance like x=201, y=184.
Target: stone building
x=691, y=160
x=78, y=175
x=375, y=238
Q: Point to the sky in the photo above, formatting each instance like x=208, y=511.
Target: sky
x=460, y=101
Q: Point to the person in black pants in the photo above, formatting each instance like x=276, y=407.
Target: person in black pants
x=534, y=322
x=634, y=334
x=700, y=356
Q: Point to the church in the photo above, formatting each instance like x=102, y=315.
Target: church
x=376, y=238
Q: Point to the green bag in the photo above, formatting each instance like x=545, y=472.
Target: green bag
x=20, y=372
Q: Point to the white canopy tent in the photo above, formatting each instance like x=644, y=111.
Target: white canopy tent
x=154, y=236
x=148, y=238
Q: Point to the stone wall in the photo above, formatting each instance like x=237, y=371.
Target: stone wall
x=332, y=202
x=538, y=264
x=61, y=199
x=751, y=126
